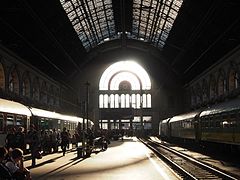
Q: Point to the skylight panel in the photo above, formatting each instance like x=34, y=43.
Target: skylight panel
x=92, y=20
x=153, y=20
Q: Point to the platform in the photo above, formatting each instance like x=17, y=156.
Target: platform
x=123, y=160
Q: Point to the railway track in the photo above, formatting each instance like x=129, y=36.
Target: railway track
x=187, y=167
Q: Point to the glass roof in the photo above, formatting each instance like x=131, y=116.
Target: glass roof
x=153, y=20
x=91, y=19
x=94, y=21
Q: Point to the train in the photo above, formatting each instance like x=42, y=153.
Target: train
x=14, y=114
x=218, y=124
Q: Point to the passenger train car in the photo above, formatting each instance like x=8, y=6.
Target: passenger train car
x=217, y=124
x=14, y=114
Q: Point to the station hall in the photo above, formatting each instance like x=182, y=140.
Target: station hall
x=96, y=89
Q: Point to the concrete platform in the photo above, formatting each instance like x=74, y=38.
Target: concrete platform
x=125, y=160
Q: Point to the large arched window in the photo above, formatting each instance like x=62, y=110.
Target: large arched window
x=123, y=77
x=13, y=81
x=127, y=70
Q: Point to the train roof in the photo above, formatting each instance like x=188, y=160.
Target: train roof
x=13, y=107
x=188, y=115
x=54, y=115
x=165, y=120
x=222, y=107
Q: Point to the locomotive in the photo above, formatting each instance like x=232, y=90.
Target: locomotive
x=219, y=124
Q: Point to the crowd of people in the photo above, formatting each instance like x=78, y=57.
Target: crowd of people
x=38, y=142
x=11, y=165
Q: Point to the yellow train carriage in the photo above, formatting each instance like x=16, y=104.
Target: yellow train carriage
x=221, y=123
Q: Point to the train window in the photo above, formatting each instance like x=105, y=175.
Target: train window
x=19, y=121
x=217, y=124
x=233, y=124
x=1, y=122
x=10, y=120
x=226, y=124
x=212, y=124
x=233, y=116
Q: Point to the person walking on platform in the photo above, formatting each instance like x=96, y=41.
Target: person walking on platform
x=20, y=139
x=34, y=143
x=10, y=139
x=54, y=140
x=4, y=171
x=65, y=140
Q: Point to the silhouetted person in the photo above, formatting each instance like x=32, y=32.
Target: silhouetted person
x=33, y=143
x=20, y=139
x=4, y=171
x=10, y=139
x=16, y=167
x=65, y=140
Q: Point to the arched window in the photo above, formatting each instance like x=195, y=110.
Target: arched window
x=134, y=101
x=105, y=101
x=127, y=70
x=116, y=101
x=233, y=80
x=100, y=101
x=138, y=101
x=26, y=85
x=144, y=100
x=149, y=101
x=50, y=96
x=36, y=89
x=43, y=94
x=198, y=92
x=13, y=81
x=213, y=88
x=112, y=101
x=123, y=101
x=221, y=85
x=127, y=100
x=2, y=77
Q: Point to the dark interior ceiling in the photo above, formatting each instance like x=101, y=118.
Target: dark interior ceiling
x=57, y=35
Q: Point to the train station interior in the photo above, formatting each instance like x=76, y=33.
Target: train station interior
x=119, y=66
